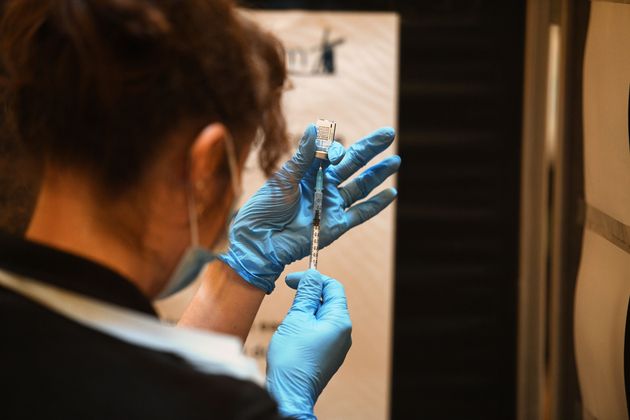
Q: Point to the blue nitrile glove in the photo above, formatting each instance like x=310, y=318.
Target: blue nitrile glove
x=309, y=345
x=273, y=228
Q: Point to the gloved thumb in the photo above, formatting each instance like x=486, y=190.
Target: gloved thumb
x=303, y=158
x=309, y=292
x=293, y=279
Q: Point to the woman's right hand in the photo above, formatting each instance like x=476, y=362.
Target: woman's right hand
x=309, y=345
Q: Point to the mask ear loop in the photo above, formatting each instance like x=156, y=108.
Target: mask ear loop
x=236, y=187
x=192, y=218
x=231, y=155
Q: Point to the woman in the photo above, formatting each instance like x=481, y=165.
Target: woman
x=140, y=115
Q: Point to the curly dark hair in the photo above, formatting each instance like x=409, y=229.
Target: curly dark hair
x=100, y=84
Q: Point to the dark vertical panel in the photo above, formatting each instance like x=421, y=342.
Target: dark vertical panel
x=460, y=123
x=457, y=244
x=568, y=398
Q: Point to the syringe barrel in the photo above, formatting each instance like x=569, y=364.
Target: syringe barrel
x=312, y=264
x=319, y=181
x=317, y=201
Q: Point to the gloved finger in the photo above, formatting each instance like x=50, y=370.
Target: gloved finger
x=364, y=211
x=361, y=152
x=336, y=152
x=334, y=302
x=302, y=160
x=293, y=279
x=362, y=186
x=309, y=293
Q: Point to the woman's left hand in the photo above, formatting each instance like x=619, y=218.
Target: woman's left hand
x=273, y=228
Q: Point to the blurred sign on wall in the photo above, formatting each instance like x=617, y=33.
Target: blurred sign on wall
x=342, y=66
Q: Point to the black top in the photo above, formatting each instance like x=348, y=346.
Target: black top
x=53, y=367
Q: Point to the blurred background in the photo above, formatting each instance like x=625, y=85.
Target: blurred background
x=489, y=219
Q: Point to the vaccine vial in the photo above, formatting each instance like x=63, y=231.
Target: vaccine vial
x=325, y=137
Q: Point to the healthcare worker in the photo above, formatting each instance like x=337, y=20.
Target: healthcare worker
x=140, y=115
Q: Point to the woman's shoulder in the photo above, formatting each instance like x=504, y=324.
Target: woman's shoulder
x=80, y=372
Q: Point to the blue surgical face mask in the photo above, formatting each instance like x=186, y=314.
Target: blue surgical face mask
x=196, y=257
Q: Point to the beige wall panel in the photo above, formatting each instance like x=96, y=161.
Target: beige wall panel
x=604, y=279
x=606, y=84
x=601, y=300
x=361, y=96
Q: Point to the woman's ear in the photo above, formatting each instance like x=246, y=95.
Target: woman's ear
x=206, y=154
x=213, y=197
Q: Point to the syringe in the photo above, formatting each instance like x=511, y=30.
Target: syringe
x=325, y=138
x=317, y=215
